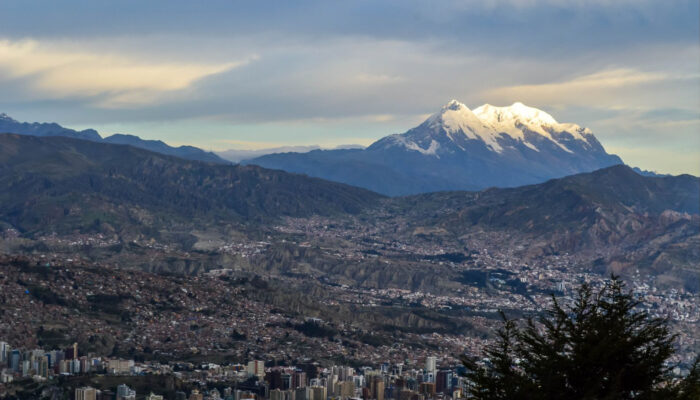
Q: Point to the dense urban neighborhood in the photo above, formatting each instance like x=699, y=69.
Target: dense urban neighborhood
x=231, y=333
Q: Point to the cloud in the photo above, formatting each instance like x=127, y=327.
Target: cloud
x=117, y=80
x=362, y=69
x=377, y=79
x=586, y=88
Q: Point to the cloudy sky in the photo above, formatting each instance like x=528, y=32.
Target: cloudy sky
x=229, y=74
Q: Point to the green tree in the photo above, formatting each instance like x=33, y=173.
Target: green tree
x=600, y=347
x=501, y=378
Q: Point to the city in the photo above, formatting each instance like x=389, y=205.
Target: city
x=252, y=380
x=208, y=328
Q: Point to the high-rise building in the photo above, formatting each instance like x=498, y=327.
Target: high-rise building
x=277, y=394
x=303, y=393
x=359, y=381
x=75, y=366
x=274, y=378
x=26, y=367
x=116, y=366
x=286, y=381
x=298, y=379
x=43, y=367
x=428, y=389
x=347, y=389
x=318, y=393
x=86, y=393
x=431, y=365
x=4, y=353
x=72, y=352
x=84, y=364
x=15, y=358
x=105, y=395
x=125, y=393
x=331, y=382
x=256, y=368
x=377, y=387
x=443, y=382
x=56, y=357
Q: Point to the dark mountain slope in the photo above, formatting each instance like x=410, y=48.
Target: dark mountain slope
x=9, y=125
x=353, y=167
x=576, y=201
x=612, y=220
x=158, y=146
x=61, y=184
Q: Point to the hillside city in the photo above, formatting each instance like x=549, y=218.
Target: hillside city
x=208, y=330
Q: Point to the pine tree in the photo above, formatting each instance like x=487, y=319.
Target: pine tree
x=498, y=379
x=601, y=347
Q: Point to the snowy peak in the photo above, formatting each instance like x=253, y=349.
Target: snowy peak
x=516, y=117
x=501, y=129
x=515, y=112
x=453, y=105
x=458, y=122
x=454, y=117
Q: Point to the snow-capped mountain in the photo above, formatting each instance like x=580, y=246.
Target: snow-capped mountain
x=499, y=129
x=459, y=149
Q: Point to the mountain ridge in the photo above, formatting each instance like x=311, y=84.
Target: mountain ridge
x=42, y=129
x=456, y=149
x=64, y=184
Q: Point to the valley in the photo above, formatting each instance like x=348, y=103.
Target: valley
x=184, y=249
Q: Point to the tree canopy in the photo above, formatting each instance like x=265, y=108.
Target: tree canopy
x=602, y=346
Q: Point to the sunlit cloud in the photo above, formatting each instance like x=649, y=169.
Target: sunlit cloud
x=120, y=80
x=584, y=89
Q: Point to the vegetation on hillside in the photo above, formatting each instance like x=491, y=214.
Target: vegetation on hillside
x=600, y=347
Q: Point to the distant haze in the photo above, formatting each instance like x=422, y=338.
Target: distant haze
x=238, y=155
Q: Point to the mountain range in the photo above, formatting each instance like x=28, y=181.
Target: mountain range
x=459, y=149
x=63, y=185
x=454, y=149
x=10, y=125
